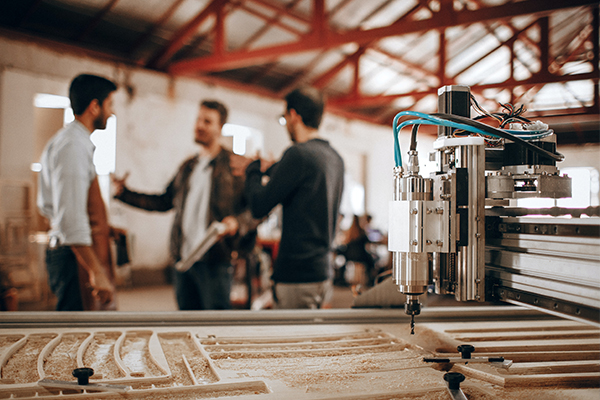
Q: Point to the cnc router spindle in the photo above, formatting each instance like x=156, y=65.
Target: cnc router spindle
x=437, y=224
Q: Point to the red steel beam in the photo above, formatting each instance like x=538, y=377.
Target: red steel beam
x=96, y=20
x=349, y=101
x=287, y=12
x=324, y=78
x=507, y=42
x=269, y=22
x=319, y=22
x=244, y=58
x=160, y=22
x=184, y=34
x=219, y=43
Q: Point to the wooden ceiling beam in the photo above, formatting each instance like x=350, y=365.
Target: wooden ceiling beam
x=244, y=58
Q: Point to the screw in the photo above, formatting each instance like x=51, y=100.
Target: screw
x=414, y=211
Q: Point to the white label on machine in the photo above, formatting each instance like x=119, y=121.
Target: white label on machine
x=398, y=229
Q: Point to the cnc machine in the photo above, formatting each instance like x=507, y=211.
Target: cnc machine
x=458, y=231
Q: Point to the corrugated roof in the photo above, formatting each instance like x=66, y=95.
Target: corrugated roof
x=373, y=59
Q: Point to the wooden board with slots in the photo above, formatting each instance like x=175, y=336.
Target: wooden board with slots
x=551, y=358
x=544, y=353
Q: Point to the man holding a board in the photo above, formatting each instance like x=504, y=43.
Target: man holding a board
x=209, y=208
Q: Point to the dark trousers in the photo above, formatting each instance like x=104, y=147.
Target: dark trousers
x=63, y=278
x=204, y=287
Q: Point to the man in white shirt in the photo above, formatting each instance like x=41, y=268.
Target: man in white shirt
x=66, y=184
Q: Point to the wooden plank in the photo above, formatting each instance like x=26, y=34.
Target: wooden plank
x=519, y=335
x=540, y=345
x=583, y=379
x=536, y=356
x=479, y=374
x=509, y=326
x=554, y=367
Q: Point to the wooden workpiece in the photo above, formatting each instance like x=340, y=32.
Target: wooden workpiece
x=552, y=360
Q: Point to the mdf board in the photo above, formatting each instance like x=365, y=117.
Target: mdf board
x=318, y=361
x=556, y=354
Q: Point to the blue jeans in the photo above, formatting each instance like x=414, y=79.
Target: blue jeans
x=204, y=287
x=63, y=278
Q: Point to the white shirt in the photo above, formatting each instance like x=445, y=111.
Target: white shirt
x=64, y=182
x=195, y=212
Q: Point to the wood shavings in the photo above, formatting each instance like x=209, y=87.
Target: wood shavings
x=61, y=362
x=99, y=355
x=135, y=354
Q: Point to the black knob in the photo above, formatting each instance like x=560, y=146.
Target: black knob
x=465, y=350
x=454, y=379
x=83, y=375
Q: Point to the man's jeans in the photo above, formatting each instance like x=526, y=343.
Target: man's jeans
x=204, y=287
x=63, y=278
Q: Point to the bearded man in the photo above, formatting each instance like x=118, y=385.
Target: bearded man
x=69, y=196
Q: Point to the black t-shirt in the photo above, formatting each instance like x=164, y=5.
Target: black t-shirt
x=308, y=182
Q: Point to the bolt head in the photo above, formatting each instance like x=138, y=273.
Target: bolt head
x=454, y=379
x=83, y=375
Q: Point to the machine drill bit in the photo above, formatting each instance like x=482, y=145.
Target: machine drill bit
x=412, y=307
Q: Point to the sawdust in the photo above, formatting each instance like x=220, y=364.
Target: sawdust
x=62, y=360
x=135, y=355
x=341, y=344
x=342, y=373
x=193, y=395
x=6, y=341
x=174, y=346
x=99, y=355
x=22, y=365
x=434, y=341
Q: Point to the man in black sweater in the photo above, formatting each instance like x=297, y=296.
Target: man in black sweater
x=308, y=183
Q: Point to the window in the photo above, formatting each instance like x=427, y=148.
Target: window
x=246, y=141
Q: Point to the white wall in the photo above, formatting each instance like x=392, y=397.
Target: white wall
x=155, y=132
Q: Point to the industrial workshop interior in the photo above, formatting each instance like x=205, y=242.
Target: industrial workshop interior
x=469, y=132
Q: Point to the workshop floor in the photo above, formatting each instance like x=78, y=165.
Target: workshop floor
x=162, y=298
